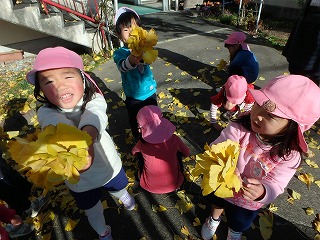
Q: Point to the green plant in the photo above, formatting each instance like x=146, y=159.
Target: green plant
x=228, y=18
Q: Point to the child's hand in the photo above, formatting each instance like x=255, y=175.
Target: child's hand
x=252, y=189
x=217, y=126
x=90, y=159
x=16, y=220
x=93, y=132
x=134, y=60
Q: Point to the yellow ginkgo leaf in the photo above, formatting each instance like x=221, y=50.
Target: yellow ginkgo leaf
x=196, y=222
x=185, y=231
x=295, y=195
x=161, y=208
x=183, y=206
x=221, y=65
x=70, y=225
x=141, y=43
x=266, y=224
x=312, y=163
x=51, y=156
x=309, y=211
x=307, y=178
x=217, y=166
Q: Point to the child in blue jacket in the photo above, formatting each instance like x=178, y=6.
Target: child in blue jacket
x=138, y=82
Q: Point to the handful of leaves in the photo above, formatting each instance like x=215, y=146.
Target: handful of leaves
x=217, y=166
x=53, y=155
x=141, y=43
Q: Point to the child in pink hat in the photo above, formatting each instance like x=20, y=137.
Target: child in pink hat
x=234, y=97
x=242, y=61
x=271, y=145
x=161, y=152
x=70, y=96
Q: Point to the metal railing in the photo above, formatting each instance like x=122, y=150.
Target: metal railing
x=97, y=13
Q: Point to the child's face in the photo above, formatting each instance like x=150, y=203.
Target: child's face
x=266, y=123
x=63, y=87
x=125, y=31
x=228, y=105
x=232, y=48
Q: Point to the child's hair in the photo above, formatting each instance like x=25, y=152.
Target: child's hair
x=60, y=57
x=282, y=143
x=123, y=18
x=290, y=97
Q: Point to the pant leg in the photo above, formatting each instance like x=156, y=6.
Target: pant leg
x=133, y=106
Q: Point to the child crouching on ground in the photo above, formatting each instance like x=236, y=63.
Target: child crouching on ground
x=233, y=97
x=161, y=164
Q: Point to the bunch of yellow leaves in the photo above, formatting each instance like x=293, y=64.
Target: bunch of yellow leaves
x=217, y=166
x=52, y=156
x=141, y=43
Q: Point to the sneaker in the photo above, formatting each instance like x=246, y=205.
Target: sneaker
x=107, y=235
x=128, y=201
x=36, y=206
x=19, y=230
x=209, y=228
x=232, y=235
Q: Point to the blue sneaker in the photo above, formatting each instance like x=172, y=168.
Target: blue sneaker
x=36, y=206
x=19, y=230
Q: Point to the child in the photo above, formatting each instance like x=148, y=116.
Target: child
x=233, y=97
x=138, y=82
x=242, y=61
x=271, y=143
x=70, y=96
x=161, y=149
x=15, y=226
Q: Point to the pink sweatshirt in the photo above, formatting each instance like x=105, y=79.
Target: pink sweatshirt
x=254, y=162
x=161, y=172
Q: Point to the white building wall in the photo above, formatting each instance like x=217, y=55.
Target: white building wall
x=11, y=33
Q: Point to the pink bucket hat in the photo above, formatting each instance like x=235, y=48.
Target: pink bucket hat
x=154, y=128
x=292, y=97
x=236, y=88
x=237, y=38
x=123, y=10
x=57, y=57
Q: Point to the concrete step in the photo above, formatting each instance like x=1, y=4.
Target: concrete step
x=28, y=15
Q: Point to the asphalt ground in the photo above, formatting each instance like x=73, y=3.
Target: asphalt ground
x=186, y=73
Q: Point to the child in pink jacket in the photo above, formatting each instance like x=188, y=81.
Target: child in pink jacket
x=271, y=143
x=161, y=150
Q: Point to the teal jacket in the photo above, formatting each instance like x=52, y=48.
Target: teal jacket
x=137, y=82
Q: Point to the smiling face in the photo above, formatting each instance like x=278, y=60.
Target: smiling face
x=63, y=87
x=265, y=123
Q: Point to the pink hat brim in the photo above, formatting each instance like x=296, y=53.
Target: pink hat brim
x=158, y=134
x=55, y=58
